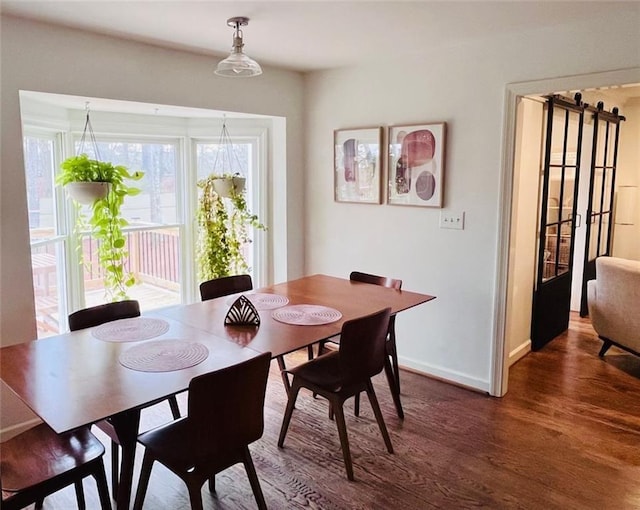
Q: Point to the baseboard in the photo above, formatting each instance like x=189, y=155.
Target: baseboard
x=9, y=432
x=519, y=352
x=448, y=376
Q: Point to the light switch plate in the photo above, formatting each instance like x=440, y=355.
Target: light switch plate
x=452, y=219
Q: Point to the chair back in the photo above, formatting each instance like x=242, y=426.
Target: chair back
x=383, y=281
x=226, y=407
x=224, y=286
x=96, y=315
x=363, y=346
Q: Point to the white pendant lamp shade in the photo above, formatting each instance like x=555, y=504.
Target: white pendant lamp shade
x=238, y=64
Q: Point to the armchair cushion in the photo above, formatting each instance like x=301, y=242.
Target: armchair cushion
x=614, y=302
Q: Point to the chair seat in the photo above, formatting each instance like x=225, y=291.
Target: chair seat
x=323, y=371
x=175, y=444
x=57, y=454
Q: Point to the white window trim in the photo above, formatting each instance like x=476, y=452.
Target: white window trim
x=66, y=126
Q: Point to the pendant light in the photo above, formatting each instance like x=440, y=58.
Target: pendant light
x=238, y=64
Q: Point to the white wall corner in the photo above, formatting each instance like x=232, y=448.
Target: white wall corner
x=445, y=374
x=519, y=352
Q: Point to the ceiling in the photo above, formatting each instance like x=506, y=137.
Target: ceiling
x=307, y=35
x=304, y=35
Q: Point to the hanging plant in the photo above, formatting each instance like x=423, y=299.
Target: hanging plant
x=223, y=229
x=105, y=222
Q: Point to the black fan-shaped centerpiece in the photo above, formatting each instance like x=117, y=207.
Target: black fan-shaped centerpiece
x=242, y=313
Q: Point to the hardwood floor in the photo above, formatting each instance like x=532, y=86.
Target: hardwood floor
x=565, y=436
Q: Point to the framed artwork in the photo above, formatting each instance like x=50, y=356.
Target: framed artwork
x=416, y=165
x=357, y=165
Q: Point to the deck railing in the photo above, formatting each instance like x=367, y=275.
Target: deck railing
x=154, y=258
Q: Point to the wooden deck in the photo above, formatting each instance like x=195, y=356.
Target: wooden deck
x=565, y=436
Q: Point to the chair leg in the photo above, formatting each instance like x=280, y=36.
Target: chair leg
x=310, y=352
x=605, y=346
x=173, y=404
x=393, y=353
x=103, y=489
x=195, y=496
x=115, y=468
x=283, y=374
x=143, y=482
x=356, y=405
x=344, y=439
x=253, y=478
x=212, y=483
x=80, y=495
x=395, y=392
x=291, y=403
x=376, y=411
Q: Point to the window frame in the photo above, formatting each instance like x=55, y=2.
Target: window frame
x=184, y=134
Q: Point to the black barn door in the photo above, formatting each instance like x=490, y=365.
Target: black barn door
x=604, y=157
x=558, y=200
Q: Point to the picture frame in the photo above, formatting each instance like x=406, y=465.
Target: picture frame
x=358, y=165
x=416, y=161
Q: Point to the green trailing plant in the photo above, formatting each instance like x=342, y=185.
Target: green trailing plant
x=223, y=230
x=105, y=223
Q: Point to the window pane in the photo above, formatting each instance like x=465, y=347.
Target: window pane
x=154, y=259
x=156, y=204
x=596, y=202
x=154, y=254
x=39, y=163
x=215, y=158
x=46, y=261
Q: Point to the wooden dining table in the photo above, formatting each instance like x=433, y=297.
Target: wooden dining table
x=75, y=379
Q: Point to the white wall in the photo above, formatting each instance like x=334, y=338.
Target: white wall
x=45, y=58
x=522, y=259
x=452, y=336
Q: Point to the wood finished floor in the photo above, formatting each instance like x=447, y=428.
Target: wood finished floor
x=565, y=436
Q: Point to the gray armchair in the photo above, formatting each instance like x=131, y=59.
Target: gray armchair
x=614, y=303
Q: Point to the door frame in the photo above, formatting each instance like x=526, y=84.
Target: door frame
x=499, y=355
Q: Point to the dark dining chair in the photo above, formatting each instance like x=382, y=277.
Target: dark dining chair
x=391, y=368
x=39, y=462
x=226, y=414
x=219, y=287
x=95, y=316
x=339, y=375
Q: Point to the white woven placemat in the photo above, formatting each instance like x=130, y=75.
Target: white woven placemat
x=307, y=315
x=263, y=300
x=131, y=330
x=164, y=355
